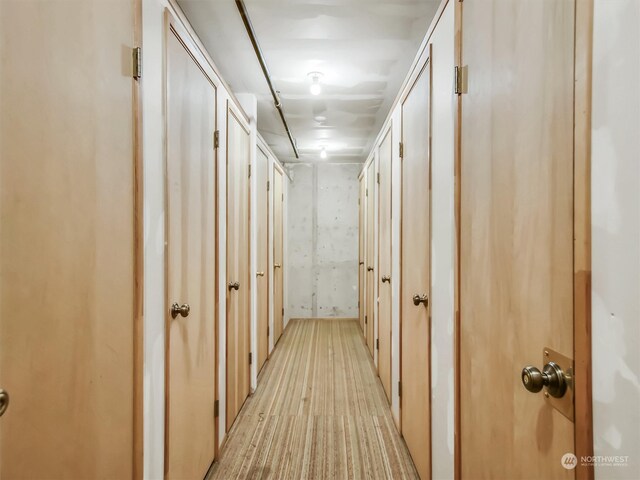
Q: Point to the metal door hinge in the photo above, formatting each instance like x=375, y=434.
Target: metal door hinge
x=250, y=358
x=137, y=62
x=216, y=139
x=282, y=310
x=365, y=319
x=216, y=409
x=267, y=331
x=401, y=150
x=268, y=185
x=377, y=344
x=378, y=179
x=249, y=171
x=460, y=79
x=366, y=192
x=399, y=389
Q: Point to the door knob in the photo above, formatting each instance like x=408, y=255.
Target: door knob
x=234, y=285
x=386, y=278
x=277, y=265
x=4, y=401
x=551, y=377
x=418, y=299
x=182, y=310
x=260, y=274
x=360, y=263
x=369, y=269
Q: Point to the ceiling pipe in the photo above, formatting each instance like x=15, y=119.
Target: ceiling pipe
x=256, y=48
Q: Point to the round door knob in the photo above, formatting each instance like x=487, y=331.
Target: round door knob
x=277, y=265
x=4, y=401
x=369, y=269
x=420, y=299
x=386, y=278
x=234, y=285
x=182, y=310
x=551, y=377
x=260, y=274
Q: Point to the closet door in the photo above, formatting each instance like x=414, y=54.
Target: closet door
x=517, y=238
x=237, y=326
x=362, y=235
x=415, y=314
x=262, y=256
x=384, y=263
x=278, y=279
x=68, y=237
x=191, y=263
x=370, y=256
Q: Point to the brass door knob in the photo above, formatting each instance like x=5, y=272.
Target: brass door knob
x=420, y=299
x=182, y=310
x=4, y=401
x=260, y=274
x=551, y=377
x=234, y=285
x=386, y=278
x=277, y=265
x=369, y=269
x=361, y=263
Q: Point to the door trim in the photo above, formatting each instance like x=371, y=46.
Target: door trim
x=583, y=58
x=173, y=25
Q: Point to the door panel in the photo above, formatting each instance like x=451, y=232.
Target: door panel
x=262, y=255
x=384, y=263
x=191, y=259
x=516, y=252
x=370, y=258
x=68, y=234
x=278, y=288
x=415, y=327
x=238, y=152
x=362, y=269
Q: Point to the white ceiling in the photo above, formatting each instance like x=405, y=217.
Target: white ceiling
x=364, y=48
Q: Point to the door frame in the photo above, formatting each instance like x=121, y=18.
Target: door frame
x=173, y=23
x=425, y=65
x=278, y=168
x=266, y=153
x=387, y=130
x=583, y=59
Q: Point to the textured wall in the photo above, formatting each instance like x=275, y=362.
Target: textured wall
x=322, y=233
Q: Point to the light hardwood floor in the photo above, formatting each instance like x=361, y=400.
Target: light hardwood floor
x=319, y=412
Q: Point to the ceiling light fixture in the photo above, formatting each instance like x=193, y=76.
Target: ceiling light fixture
x=315, y=88
x=323, y=153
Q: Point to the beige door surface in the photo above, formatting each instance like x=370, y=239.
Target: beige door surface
x=237, y=382
x=415, y=320
x=516, y=251
x=67, y=239
x=370, y=257
x=361, y=252
x=384, y=263
x=278, y=287
x=262, y=256
x=191, y=264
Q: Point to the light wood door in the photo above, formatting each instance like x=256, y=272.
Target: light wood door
x=191, y=264
x=415, y=320
x=370, y=256
x=278, y=268
x=384, y=263
x=516, y=251
x=362, y=269
x=238, y=346
x=262, y=256
x=68, y=239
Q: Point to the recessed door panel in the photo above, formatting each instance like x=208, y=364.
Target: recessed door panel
x=278, y=287
x=370, y=260
x=262, y=256
x=516, y=251
x=384, y=263
x=67, y=240
x=191, y=264
x=415, y=314
x=238, y=348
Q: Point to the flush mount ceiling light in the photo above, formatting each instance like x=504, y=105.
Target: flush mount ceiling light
x=315, y=87
x=323, y=153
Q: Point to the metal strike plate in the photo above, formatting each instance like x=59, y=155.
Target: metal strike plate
x=563, y=404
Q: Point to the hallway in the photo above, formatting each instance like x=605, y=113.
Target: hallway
x=319, y=412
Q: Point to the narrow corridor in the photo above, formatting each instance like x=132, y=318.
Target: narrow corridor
x=319, y=412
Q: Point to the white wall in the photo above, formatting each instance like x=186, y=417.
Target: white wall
x=322, y=234
x=616, y=235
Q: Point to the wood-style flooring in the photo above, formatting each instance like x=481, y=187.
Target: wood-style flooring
x=319, y=412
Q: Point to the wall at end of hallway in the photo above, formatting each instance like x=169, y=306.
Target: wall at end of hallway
x=322, y=235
